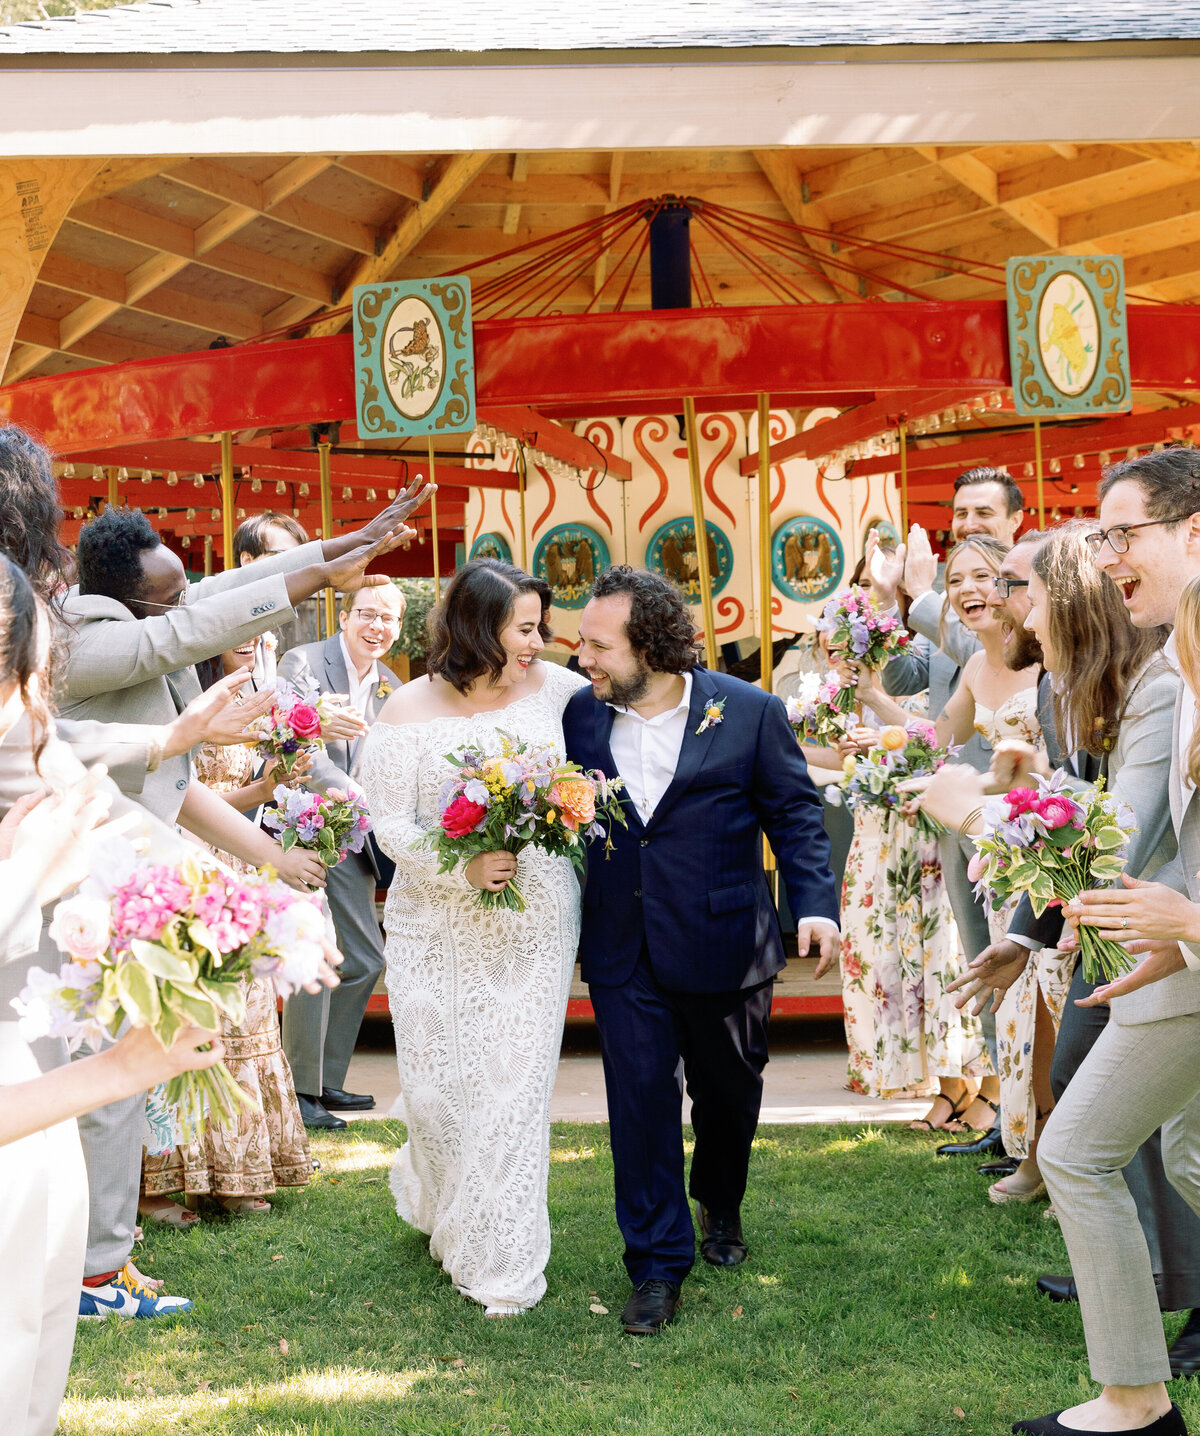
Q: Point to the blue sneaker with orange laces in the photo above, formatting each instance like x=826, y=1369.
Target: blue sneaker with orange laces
x=126, y=1296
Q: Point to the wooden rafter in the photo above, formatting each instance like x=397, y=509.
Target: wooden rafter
x=785, y=180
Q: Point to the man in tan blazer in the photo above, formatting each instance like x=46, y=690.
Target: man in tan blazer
x=1142, y=1073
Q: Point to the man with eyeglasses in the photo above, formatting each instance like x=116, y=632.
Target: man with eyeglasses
x=319, y=1032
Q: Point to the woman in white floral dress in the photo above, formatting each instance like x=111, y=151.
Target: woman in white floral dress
x=477, y=996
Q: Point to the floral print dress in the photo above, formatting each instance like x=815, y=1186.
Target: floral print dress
x=267, y=1149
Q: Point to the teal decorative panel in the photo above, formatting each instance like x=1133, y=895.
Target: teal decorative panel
x=1066, y=335
x=807, y=559
x=414, y=357
x=672, y=552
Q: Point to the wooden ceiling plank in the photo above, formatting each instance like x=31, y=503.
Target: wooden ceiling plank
x=78, y=276
x=1162, y=206
x=293, y=176
x=512, y=212
x=616, y=168
x=785, y=179
x=387, y=172
x=120, y=174
x=456, y=174
x=1094, y=162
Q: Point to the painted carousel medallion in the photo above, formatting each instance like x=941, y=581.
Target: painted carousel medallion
x=491, y=545
x=568, y=557
x=807, y=560
x=672, y=552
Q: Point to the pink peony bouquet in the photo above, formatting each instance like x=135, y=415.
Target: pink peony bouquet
x=860, y=631
x=290, y=727
x=872, y=779
x=163, y=945
x=522, y=796
x=331, y=824
x=821, y=710
x=1053, y=842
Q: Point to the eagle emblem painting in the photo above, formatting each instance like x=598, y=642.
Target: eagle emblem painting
x=807, y=559
x=672, y=552
x=568, y=557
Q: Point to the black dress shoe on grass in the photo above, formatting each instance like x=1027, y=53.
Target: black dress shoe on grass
x=1184, y=1355
x=991, y=1144
x=316, y=1118
x=721, y=1241
x=1168, y=1424
x=333, y=1099
x=651, y=1307
x=1005, y=1167
x=1058, y=1288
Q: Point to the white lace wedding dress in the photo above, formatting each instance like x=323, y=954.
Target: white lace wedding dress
x=478, y=1001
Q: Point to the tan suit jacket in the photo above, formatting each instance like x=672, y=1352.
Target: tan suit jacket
x=122, y=669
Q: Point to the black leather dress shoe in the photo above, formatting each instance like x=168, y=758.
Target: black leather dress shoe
x=333, y=1099
x=315, y=1117
x=1184, y=1355
x=1168, y=1424
x=1058, y=1288
x=651, y=1307
x=990, y=1144
x=1005, y=1167
x=721, y=1241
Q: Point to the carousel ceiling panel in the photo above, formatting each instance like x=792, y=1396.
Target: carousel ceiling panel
x=350, y=195
x=272, y=238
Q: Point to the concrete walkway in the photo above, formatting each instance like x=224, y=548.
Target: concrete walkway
x=804, y=1080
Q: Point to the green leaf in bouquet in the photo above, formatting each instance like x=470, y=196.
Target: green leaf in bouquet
x=171, y=965
x=288, y=841
x=228, y=997
x=169, y=1025
x=191, y=1006
x=202, y=935
x=1106, y=869
x=139, y=994
x=1109, y=838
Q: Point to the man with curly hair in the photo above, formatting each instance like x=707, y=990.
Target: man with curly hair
x=681, y=944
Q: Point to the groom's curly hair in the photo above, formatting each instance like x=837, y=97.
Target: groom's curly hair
x=660, y=628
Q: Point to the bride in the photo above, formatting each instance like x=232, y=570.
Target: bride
x=478, y=997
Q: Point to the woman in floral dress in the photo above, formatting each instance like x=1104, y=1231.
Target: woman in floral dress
x=240, y=1166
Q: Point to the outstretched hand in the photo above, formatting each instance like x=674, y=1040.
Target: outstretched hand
x=53, y=836
x=406, y=502
x=990, y=975
x=920, y=563
x=220, y=715
x=826, y=939
x=346, y=573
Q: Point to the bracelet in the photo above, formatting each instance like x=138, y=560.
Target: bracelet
x=967, y=821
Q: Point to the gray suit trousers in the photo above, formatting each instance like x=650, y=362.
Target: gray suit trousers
x=319, y=1032
x=1135, y=1080
x=1171, y=1228
x=970, y=917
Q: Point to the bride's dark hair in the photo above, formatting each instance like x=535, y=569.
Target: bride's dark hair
x=464, y=629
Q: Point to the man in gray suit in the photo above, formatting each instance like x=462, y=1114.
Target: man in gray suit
x=1142, y=1072
x=137, y=629
x=319, y=1032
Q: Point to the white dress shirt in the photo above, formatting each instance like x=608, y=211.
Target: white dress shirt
x=1187, y=718
x=646, y=754
x=360, y=688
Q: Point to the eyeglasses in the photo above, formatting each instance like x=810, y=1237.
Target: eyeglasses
x=1117, y=537
x=369, y=616
x=1004, y=586
x=179, y=601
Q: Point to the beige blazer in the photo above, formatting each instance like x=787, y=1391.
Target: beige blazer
x=122, y=669
x=1178, y=994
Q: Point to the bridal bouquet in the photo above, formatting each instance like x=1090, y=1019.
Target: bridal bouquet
x=524, y=795
x=821, y=711
x=872, y=779
x=1053, y=843
x=331, y=824
x=290, y=727
x=164, y=945
x=860, y=631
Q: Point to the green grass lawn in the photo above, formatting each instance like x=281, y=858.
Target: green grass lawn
x=883, y=1295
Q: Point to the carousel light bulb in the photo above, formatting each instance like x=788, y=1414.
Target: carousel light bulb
x=147, y=476
x=186, y=540
x=1055, y=466
x=980, y=405
x=1159, y=447
x=1079, y=461
x=994, y=400
x=122, y=476
x=197, y=481
x=964, y=414
x=346, y=494
x=172, y=480
x=162, y=513
x=256, y=486
x=1028, y=471
x=1105, y=458
x=1131, y=453
x=392, y=493
x=304, y=491
x=371, y=499
x=241, y=513
x=68, y=471
x=191, y=514
x=215, y=515
x=935, y=423
x=280, y=487
x=947, y=417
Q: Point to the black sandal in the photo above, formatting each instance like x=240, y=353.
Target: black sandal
x=923, y=1124
x=987, y=1102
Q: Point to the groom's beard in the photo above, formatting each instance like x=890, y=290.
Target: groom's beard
x=626, y=691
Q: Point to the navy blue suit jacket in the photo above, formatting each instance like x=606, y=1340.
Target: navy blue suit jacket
x=690, y=883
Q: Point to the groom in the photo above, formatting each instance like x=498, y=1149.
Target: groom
x=680, y=943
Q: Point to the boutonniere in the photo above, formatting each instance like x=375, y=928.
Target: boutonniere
x=384, y=688
x=714, y=713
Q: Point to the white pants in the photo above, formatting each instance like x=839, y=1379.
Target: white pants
x=43, y=1234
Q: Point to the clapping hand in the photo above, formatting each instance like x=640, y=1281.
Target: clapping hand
x=920, y=563
x=342, y=722
x=884, y=570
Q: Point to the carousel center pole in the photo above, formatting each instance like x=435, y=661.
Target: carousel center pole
x=706, y=603
x=437, y=563
x=903, y=481
x=227, y=498
x=326, y=523
x=767, y=654
x=521, y=477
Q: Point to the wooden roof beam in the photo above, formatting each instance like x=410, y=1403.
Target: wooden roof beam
x=787, y=182
x=388, y=173
x=456, y=174
x=979, y=177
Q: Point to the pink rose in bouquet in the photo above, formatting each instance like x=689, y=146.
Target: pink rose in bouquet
x=305, y=720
